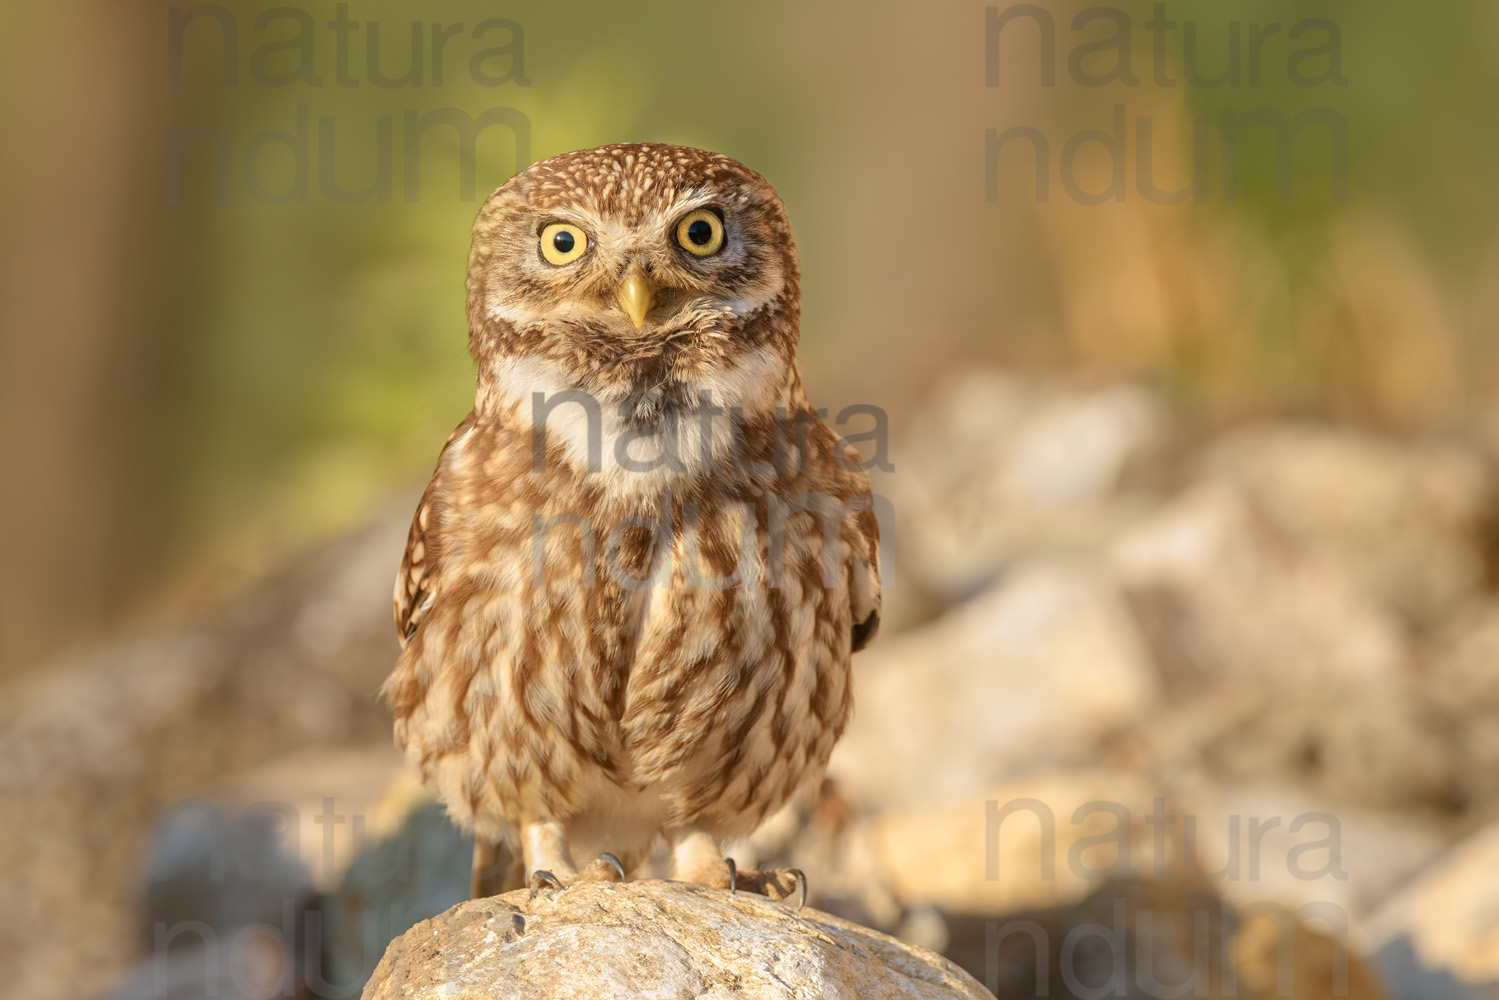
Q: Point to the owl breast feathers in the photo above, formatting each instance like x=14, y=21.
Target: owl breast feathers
x=633, y=586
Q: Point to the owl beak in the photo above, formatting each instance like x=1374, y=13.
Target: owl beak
x=636, y=293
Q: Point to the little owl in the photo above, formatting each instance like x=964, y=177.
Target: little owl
x=632, y=588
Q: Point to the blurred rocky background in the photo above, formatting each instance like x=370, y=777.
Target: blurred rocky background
x=1189, y=679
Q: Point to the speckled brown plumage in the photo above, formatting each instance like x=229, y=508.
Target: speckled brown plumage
x=685, y=669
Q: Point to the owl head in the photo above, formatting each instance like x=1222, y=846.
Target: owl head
x=633, y=269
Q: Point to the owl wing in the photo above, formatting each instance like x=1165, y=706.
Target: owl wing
x=421, y=567
x=415, y=590
x=863, y=558
x=864, y=580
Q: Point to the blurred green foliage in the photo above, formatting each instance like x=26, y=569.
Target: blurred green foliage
x=1423, y=122
x=318, y=349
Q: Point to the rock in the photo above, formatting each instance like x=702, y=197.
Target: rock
x=1280, y=845
x=1277, y=954
x=330, y=799
x=1074, y=448
x=1031, y=672
x=654, y=939
x=1412, y=522
x=1449, y=914
x=227, y=909
x=972, y=857
x=231, y=910
x=1460, y=681
x=997, y=468
x=1050, y=839
x=292, y=663
x=1459, y=670
x=1130, y=938
x=1408, y=979
x=414, y=874
x=1223, y=599
x=1377, y=747
x=1140, y=938
x=221, y=869
x=249, y=967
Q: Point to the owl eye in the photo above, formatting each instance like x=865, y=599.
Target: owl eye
x=701, y=232
x=562, y=243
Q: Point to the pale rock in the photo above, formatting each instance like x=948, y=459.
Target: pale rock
x=997, y=468
x=1022, y=845
x=1050, y=839
x=1409, y=520
x=654, y=939
x=1033, y=671
x=1449, y=914
x=1378, y=747
x=1461, y=681
x=1223, y=598
x=1460, y=665
x=95, y=744
x=1279, y=845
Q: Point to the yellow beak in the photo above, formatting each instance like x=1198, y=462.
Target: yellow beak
x=636, y=295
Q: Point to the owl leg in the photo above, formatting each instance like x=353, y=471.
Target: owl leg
x=695, y=857
x=547, y=859
x=496, y=870
x=549, y=864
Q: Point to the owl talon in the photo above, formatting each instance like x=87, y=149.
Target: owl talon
x=613, y=862
x=801, y=881
x=543, y=879
x=773, y=883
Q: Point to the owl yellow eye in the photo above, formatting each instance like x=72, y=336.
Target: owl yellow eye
x=562, y=243
x=701, y=232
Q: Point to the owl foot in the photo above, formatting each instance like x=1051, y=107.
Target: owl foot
x=543, y=879
x=605, y=868
x=774, y=883
x=696, y=857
